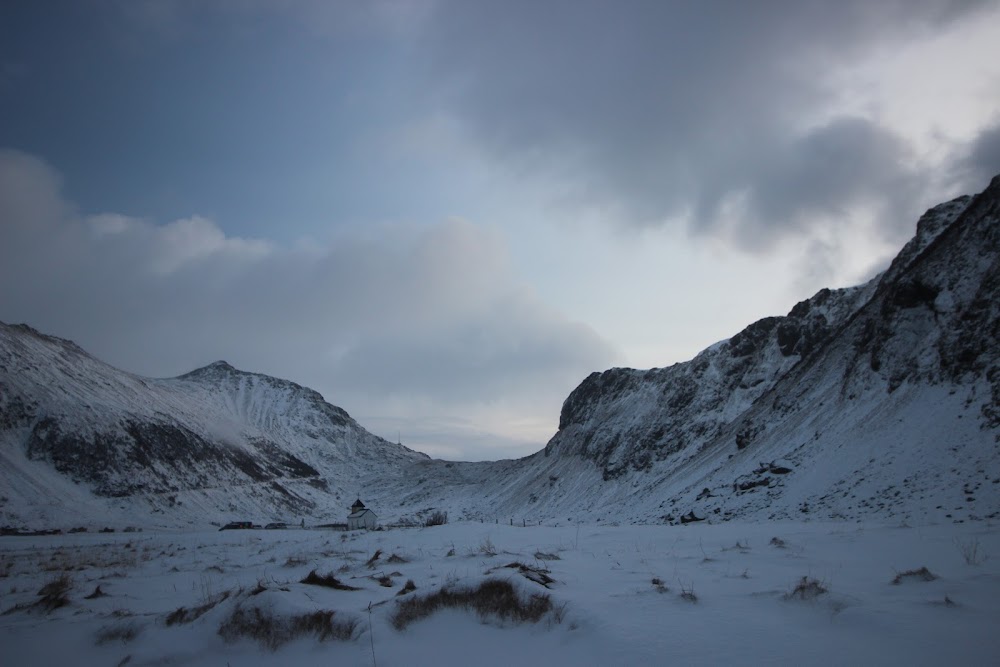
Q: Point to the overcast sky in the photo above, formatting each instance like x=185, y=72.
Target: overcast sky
x=444, y=215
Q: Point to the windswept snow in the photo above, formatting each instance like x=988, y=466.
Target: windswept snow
x=621, y=595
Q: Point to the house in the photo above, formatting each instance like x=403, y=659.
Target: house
x=361, y=517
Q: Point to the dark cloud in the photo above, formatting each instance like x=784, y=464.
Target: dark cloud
x=982, y=160
x=824, y=173
x=428, y=316
x=661, y=110
x=492, y=352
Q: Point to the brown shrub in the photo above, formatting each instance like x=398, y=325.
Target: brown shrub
x=183, y=615
x=806, y=589
x=923, y=574
x=272, y=631
x=327, y=580
x=492, y=598
x=54, y=593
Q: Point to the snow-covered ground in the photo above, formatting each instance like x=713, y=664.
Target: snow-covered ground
x=620, y=595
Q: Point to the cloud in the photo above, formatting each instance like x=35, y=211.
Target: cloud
x=391, y=323
x=820, y=177
x=689, y=112
x=981, y=161
x=168, y=248
x=492, y=350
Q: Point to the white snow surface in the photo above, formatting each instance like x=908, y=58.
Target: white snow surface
x=620, y=595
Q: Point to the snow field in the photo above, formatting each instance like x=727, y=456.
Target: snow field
x=628, y=595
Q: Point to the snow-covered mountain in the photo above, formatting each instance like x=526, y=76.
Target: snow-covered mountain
x=81, y=439
x=881, y=400
x=878, y=400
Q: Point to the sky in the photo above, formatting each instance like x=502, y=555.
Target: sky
x=444, y=215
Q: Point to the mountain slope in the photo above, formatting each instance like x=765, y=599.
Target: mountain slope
x=213, y=442
x=879, y=400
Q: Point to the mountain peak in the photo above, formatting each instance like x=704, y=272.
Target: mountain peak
x=221, y=365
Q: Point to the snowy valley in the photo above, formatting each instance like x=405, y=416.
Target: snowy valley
x=878, y=401
x=821, y=488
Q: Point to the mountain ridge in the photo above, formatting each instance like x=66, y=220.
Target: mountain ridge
x=852, y=371
x=202, y=433
x=879, y=400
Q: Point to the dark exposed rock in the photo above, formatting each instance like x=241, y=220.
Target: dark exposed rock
x=746, y=435
x=166, y=451
x=913, y=293
x=753, y=337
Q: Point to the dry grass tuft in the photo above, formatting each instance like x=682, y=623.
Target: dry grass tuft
x=493, y=598
x=183, y=615
x=272, y=631
x=923, y=574
x=54, y=593
x=328, y=581
x=487, y=548
x=438, y=518
x=806, y=589
x=971, y=552
x=371, y=561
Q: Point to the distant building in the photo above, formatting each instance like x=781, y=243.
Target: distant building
x=361, y=517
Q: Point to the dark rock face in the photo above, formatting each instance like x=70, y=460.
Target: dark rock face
x=625, y=419
x=806, y=327
x=937, y=319
x=165, y=452
x=753, y=338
